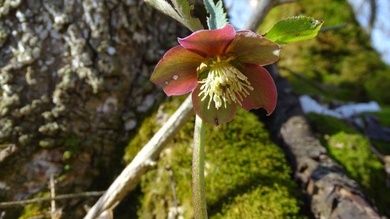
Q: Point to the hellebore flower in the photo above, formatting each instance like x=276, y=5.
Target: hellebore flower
x=223, y=69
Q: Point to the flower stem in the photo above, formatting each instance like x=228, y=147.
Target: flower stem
x=198, y=185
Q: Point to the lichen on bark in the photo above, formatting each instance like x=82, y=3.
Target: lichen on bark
x=75, y=81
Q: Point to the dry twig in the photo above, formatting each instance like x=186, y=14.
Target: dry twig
x=130, y=176
x=58, y=197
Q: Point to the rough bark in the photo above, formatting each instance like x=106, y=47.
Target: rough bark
x=74, y=81
x=329, y=191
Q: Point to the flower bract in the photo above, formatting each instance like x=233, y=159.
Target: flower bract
x=223, y=70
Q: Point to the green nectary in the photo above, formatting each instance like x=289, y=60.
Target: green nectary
x=247, y=175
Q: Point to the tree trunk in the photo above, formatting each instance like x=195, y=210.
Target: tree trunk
x=74, y=84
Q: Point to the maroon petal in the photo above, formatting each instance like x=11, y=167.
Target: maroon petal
x=212, y=115
x=252, y=48
x=264, y=92
x=209, y=42
x=176, y=71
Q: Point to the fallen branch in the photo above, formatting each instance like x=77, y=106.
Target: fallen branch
x=52, y=196
x=145, y=159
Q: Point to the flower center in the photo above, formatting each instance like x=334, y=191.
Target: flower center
x=224, y=83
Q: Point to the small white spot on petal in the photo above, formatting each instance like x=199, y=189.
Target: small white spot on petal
x=166, y=82
x=175, y=77
x=276, y=52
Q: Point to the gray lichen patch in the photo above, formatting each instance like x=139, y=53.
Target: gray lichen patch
x=74, y=70
x=8, y=5
x=60, y=19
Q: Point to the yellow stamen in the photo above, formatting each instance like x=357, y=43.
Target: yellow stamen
x=224, y=83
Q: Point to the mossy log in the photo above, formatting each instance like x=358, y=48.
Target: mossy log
x=329, y=191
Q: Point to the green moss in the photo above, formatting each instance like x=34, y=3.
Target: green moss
x=72, y=143
x=38, y=209
x=329, y=125
x=339, y=63
x=260, y=203
x=33, y=211
x=384, y=115
x=246, y=174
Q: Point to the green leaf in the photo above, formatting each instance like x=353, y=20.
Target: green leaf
x=183, y=13
x=217, y=18
x=294, y=29
x=184, y=9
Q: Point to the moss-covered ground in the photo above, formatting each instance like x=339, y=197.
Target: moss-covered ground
x=247, y=175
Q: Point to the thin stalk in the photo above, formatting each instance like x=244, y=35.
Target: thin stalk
x=198, y=185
